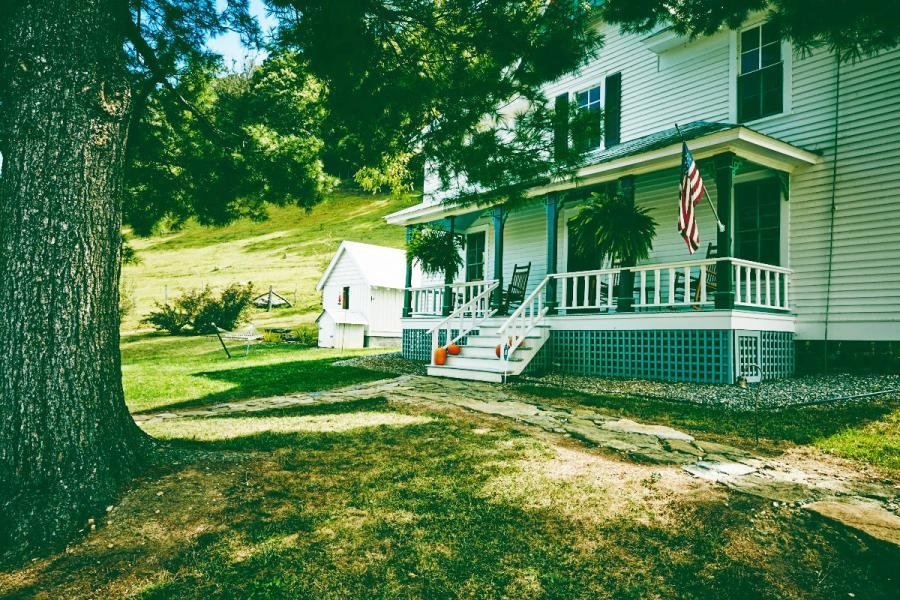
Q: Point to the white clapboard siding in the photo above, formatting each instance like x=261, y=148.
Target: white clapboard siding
x=384, y=305
x=696, y=81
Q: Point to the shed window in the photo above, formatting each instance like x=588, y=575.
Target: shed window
x=761, y=78
x=345, y=298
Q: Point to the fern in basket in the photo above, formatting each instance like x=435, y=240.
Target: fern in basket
x=437, y=251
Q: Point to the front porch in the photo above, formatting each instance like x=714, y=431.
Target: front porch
x=712, y=318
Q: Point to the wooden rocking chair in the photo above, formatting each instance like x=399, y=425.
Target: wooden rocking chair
x=515, y=292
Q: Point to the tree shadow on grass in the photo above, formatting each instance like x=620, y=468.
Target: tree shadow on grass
x=800, y=425
x=407, y=512
x=277, y=379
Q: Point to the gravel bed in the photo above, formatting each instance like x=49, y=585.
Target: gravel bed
x=772, y=394
x=392, y=362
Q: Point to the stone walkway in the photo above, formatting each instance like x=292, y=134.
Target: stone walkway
x=870, y=506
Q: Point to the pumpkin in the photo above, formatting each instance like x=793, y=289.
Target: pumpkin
x=440, y=356
x=453, y=349
x=498, y=350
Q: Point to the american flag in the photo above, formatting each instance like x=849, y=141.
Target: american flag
x=691, y=192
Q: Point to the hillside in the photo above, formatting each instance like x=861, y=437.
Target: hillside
x=289, y=251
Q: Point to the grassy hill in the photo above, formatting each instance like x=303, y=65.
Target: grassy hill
x=289, y=251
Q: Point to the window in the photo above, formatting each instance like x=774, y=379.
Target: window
x=475, y=244
x=345, y=298
x=761, y=76
x=589, y=101
x=757, y=206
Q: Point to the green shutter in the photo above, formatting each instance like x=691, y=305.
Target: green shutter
x=561, y=127
x=612, y=119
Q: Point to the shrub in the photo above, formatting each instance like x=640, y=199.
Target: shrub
x=200, y=308
x=306, y=335
x=167, y=318
x=227, y=311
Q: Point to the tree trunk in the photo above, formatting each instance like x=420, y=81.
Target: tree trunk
x=67, y=441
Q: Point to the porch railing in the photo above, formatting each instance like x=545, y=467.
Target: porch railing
x=521, y=323
x=758, y=285
x=465, y=318
x=429, y=300
x=685, y=284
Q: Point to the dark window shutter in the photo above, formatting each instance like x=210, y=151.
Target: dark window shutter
x=612, y=119
x=561, y=126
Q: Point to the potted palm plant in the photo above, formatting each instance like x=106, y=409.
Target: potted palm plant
x=620, y=232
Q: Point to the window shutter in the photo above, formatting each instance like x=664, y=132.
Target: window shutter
x=561, y=126
x=612, y=118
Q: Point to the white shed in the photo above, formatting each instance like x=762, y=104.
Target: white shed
x=362, y=297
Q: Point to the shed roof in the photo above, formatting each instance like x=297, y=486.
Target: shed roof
x=344, y=317
x=380, y=266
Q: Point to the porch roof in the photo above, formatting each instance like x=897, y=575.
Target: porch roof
x=654, y=152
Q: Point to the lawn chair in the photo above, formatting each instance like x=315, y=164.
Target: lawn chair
x=247, y=335
x=515, y=292
x=711, y=279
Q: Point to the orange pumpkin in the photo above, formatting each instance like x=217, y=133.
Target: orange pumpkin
x=499, y=350
x=453, y=349
x=440, y=356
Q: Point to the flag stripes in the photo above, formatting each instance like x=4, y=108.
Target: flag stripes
x=691, y=191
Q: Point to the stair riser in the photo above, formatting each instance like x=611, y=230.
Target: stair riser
x=484, y=352
x=465, y=374
x=480, y=341
x=464, y=362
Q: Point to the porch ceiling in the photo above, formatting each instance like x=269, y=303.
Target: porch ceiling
x=650, y=153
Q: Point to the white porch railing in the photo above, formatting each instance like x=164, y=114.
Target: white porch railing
x=429, y=300
x=466, y=317
x=521, y=323
x=758, y=285
x=674, y=285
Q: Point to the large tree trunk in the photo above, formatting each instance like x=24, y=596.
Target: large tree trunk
x=67, y=441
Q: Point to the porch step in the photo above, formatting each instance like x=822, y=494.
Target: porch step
x=493, y=376
x=478, y=362
x=482, y=341
x=485, y=351
x=491, y=330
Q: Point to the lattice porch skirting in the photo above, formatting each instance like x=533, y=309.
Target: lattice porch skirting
x=690, y=355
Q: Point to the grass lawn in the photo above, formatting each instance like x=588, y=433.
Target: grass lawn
x=289, y=251
x=165, y=373
x=867, y=431
x=371, y=499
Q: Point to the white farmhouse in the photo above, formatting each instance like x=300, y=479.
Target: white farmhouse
x=801, y=158
x=362, y=297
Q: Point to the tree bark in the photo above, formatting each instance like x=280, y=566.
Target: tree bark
x=67, y=440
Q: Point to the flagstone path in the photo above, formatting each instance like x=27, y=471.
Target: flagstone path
x=870, y=506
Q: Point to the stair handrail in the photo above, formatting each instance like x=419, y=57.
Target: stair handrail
x=522, y=322
x=469, y=309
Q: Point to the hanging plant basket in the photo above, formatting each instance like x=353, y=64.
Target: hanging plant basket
x=436, y=250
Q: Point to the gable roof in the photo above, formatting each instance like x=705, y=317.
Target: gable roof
x=380, y=266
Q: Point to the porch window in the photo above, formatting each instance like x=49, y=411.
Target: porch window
x=758, y=221
x=761, y=78
x=475, y=246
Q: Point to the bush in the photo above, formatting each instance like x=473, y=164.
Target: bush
x=227, y=311
x=200, y=308
x=306, y=335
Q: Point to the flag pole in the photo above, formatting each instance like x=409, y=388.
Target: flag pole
x=705, y=191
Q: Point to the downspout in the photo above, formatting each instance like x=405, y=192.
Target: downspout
x=834, y=166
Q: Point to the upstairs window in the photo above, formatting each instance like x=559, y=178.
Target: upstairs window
x=589, y=101
x=761, y=78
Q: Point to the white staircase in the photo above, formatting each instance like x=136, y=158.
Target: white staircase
x=519, y=337
x=478, y=361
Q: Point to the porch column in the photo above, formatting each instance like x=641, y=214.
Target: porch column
x=498, y=257
x=448, y=277
x=407, y=295
x=551, y=204
x=625, y=295
x=724, y=293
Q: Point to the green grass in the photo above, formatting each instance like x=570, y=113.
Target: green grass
x=868, y=431
x=378, y=500
x=289, y=251
x=166, y=373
